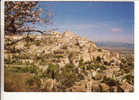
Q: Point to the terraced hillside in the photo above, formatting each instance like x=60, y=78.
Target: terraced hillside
x=64, y=63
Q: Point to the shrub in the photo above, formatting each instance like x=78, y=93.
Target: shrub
x=106, y=63
x=58, y=52
x=83, y=67
x=34, y=82
x=81, y=62
x=96, y=66
x=14, y=50
x=37, y=42
x=99, y=50
x=102, y=67
x=59, y=56
x=52, y=71
x=68, y=76
x=30, y=69
x=7, y=61
x=129, y=78
x=110, y=81
x=98, y=59
x=15, y=82
x=69, y=67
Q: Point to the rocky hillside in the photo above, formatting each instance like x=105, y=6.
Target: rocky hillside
x=66, y=62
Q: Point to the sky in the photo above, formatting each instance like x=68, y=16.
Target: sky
x=99, y=21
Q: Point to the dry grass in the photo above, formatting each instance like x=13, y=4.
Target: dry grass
x=16, y=82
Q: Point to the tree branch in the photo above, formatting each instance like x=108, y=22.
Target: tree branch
x=23, y=31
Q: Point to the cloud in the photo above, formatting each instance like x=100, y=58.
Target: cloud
x=116, y=30
x=82, y=27
x=95, y=31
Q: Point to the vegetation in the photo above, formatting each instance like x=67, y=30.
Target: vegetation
x=129, y=78
x=53, y=71
x=100, y=50
x=58, y=62
x=17, y=14
x=69, y=76
x=110, y=81
x=98, y=59
x=58, y=69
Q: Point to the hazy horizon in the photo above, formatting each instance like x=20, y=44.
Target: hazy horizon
x=99, y=21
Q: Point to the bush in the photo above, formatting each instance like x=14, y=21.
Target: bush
x=106, y=63
x=53, y=71
x=30, y=69
x=110, y=81
x=98, y=59
x=81, y=62
x=8, y=61
x=96, y=66
x=14, y=50
x=102, y=67
x=59, y=56
x=68, y=76
x=58, y=52
x=29, y=39
x=37, y=42
x=82, y=67
x=34, y=82
x=99, y=50
x=129, y=78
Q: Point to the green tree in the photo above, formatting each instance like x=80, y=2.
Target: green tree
x=53, y=71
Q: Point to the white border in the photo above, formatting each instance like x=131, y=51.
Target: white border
x=136, y=41
x=75, y=95
x=2, y=49
x=73, y=0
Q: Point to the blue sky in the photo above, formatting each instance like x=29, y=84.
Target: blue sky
x=99, y=21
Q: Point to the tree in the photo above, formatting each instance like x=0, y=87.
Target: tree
x=18, y=14
x=53, y=70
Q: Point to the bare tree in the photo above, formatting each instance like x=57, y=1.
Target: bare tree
x=20, y=13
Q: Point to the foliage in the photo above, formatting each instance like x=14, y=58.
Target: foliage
x=99, y=50
x=19, y=14
x=69, y=76
x=29, y=69
x=81, y=62
x=98, y=59
x=29, y=39
x=14, y=50
x=82, y=67
x=58, y=52
x=106, y=63
x=96, y=66
x=59, y=56
x=110, y=81
x=37, y=42
x=52, y=71
x=15, y=82
x=129, y=78
x=34, y=81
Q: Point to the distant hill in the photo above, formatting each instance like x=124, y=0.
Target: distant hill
x=115, y=45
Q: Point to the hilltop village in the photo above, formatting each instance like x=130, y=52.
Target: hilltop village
x=64, y=62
